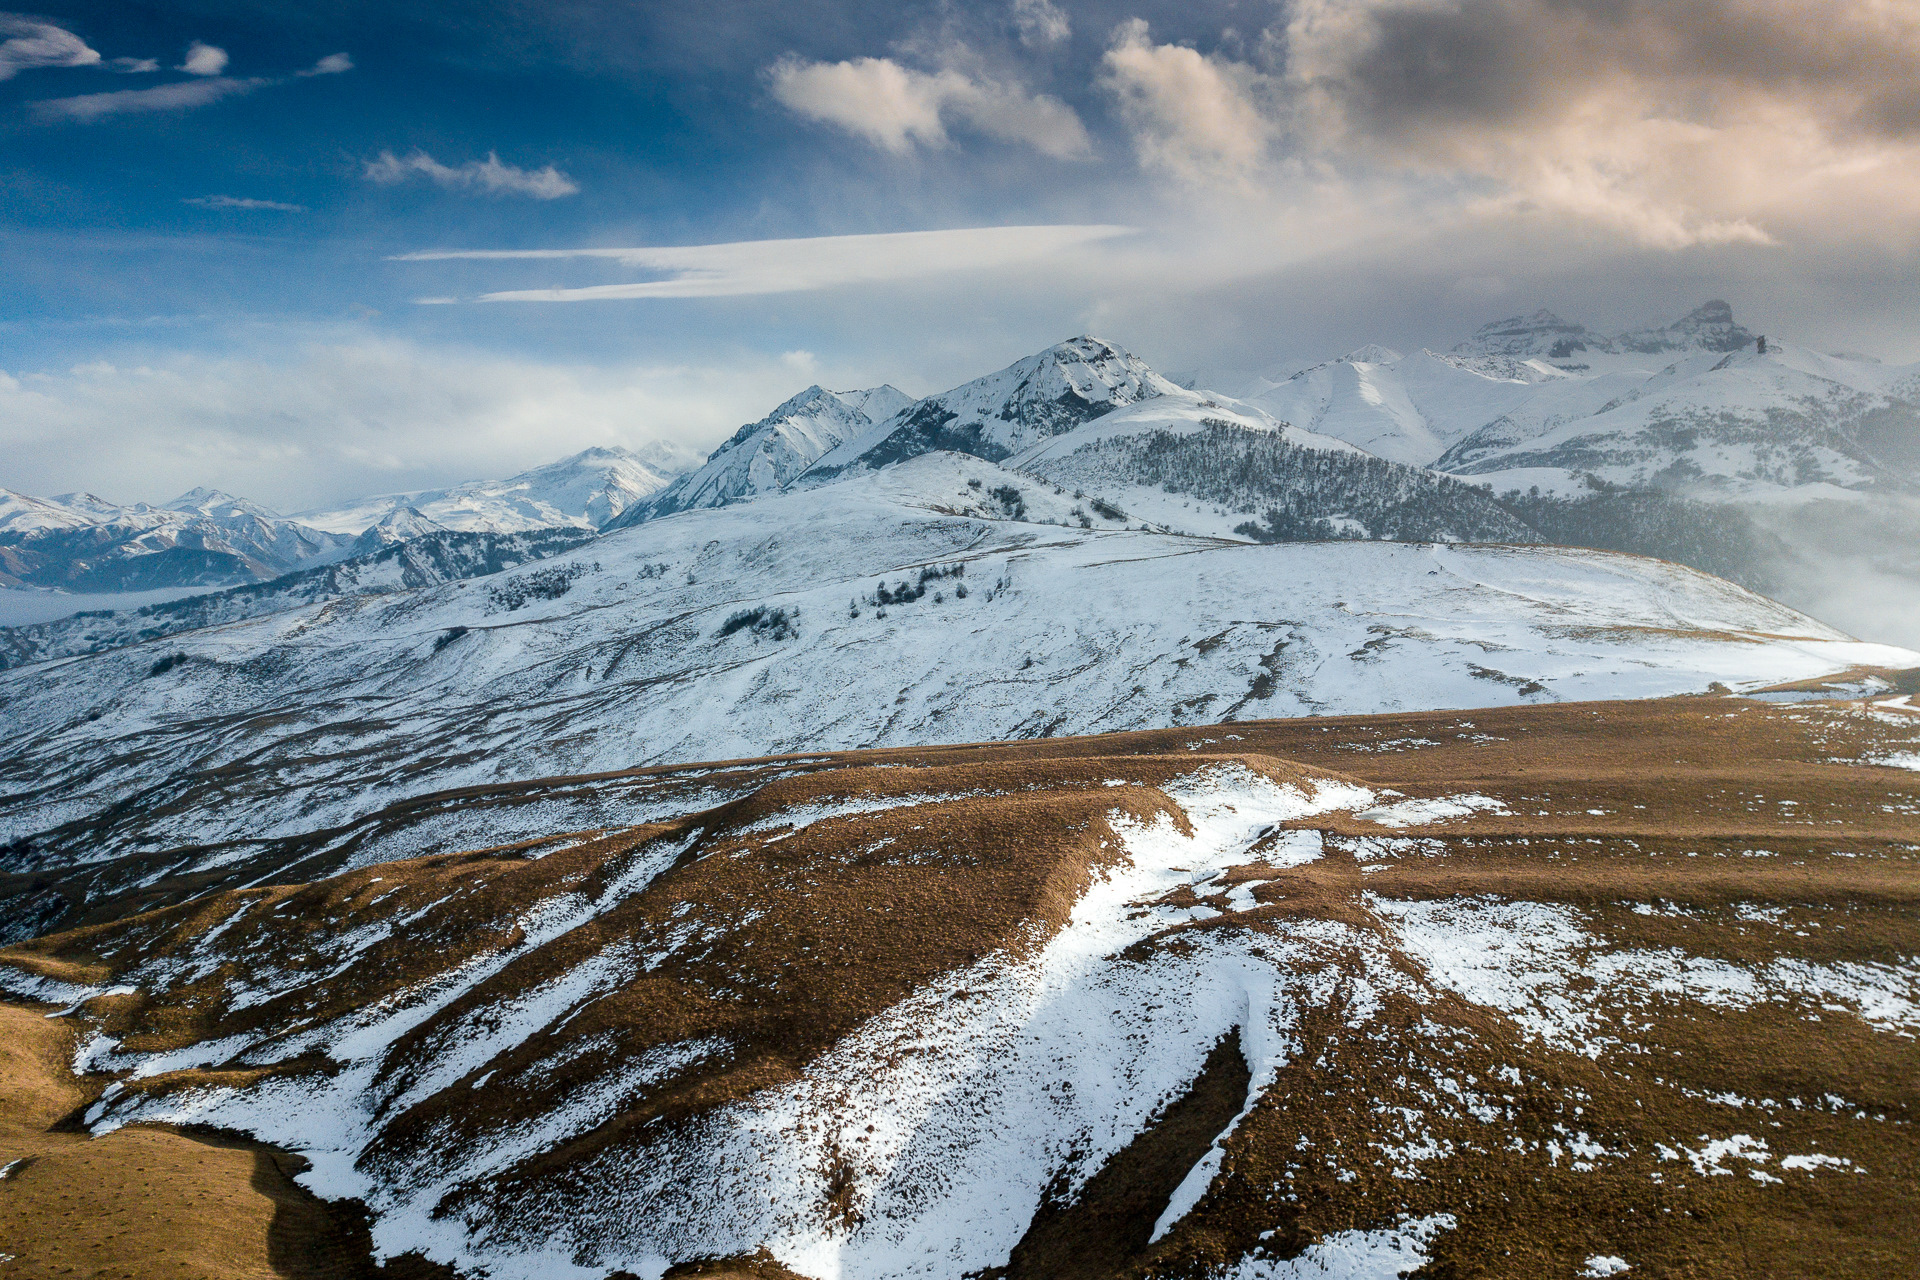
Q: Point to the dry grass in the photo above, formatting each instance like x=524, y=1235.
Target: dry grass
x=1702, y=808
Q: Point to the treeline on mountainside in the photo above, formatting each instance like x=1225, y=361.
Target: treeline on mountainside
x=444, y=556
x=1717, y=539
x=1303, y=493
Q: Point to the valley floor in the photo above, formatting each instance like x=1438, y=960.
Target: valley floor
x=1549, y=990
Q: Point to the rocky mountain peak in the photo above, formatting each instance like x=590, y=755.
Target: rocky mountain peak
x=217, y=504
x=1541, y=334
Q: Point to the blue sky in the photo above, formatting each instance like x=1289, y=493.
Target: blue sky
x=213, y=215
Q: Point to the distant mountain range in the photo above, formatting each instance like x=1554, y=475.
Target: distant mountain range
x=1676, y=441
x=205, y=538
x=79, y=542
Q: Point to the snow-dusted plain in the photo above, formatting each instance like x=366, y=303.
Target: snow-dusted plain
x=898, y=607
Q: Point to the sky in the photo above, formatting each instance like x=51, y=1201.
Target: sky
x=306, y=252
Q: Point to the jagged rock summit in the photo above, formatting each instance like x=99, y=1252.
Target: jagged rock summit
x=1046, y=394
x=1544, y=335
x=1541, y=334
x=766, y=456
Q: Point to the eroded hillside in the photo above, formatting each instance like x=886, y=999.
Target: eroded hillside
x=1519, y=992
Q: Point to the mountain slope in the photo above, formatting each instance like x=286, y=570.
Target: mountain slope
x=765, y=456
x=585, y=491
x=1407, y=409
x=897, y=607
x=1547, y=991
x=1043, y=395
x=1785, y=426
x=1691, y=408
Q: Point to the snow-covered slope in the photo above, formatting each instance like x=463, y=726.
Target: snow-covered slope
x=765, y=456
x=587, y=490
x=1197, y=463
x=424, y=557
x=1692, y=408
x=1789, y=425
x=895, y=607
x=22, y=514
x=1537, y=992
x=1405, y=408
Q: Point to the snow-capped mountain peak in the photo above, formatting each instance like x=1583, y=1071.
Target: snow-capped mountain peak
x=877, y=403
x=1045, y=394
x=217, y=504
x=586, y=490
x=765, y=456
x=398, y=525
x=1541, y=334
x=1708, y=327
x=23, y=513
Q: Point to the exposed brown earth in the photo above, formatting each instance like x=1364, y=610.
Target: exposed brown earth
x=149, y=1201
x=1743, y=838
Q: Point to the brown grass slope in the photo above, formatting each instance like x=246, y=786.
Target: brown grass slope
x=1723, y=831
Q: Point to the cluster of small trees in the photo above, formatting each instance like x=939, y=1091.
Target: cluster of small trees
x=763, y=623
x=542, y=584
x=1011, y=500
x=904, y=592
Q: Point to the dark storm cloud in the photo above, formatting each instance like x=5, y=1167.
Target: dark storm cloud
x=1406, y=68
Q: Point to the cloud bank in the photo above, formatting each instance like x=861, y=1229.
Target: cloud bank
x=486, y=177
x=334, y=419
x=792, y=266
x=1668, y=125
x=32, y=43
x=897, y=108
x=203, y=61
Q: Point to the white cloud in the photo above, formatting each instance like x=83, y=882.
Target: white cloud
x=790, y=266
x=1040, y=22
x=31, y=43
x=331, y=65
x=183, y=96
x=204, y=60
x=135, y=66
x=896, y=107
x=241, y=202
x=336, y=419
x=1194, y=116
x=490, y=176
